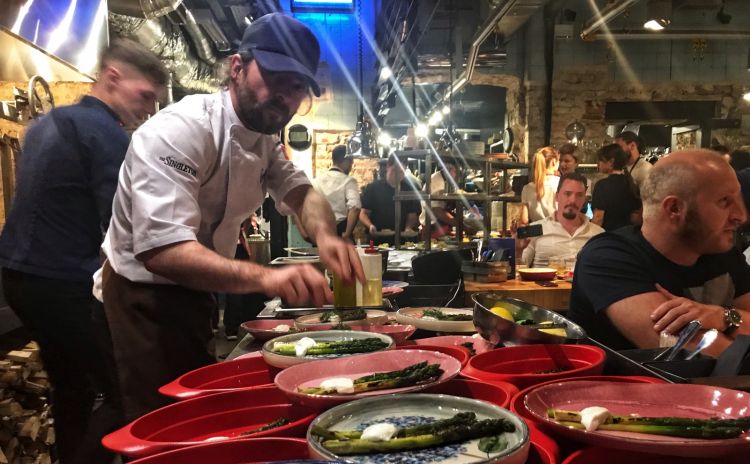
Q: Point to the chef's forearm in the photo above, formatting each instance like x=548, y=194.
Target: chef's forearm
x=313, y=210
x=192, y=265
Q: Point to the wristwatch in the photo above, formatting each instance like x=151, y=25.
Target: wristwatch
x=732, y=319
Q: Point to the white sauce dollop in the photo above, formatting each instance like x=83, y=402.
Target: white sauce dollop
x=428, y=318
x=379, y=432
x=282, y=328
x=340, y=384
x=593, y=417
x=302, y=345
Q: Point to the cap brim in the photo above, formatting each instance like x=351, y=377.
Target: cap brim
x=276, y=62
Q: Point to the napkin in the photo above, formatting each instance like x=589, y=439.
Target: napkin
x=735, y=359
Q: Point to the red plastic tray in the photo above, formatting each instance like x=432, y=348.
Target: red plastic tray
x=221, y=377
x=192, y=421
x=544, y=450
x=515, y=364
x=609, y=456
x=498, y=393
x=245, y=451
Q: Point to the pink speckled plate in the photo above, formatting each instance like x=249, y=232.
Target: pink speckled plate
x=479, y=344
x=658, y=400
x=312, y=374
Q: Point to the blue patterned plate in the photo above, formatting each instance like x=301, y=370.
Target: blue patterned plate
x=418, y=408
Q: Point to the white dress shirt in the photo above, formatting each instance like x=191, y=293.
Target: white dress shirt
x=341, y=191
x=556, y=241
x=193, y=172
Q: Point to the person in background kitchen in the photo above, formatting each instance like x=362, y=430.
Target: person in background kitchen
x=615, y=201
x=49, y=248
x=633, y=145
x=538, y=196
x=565, y=231
x=378, y=206
x=341, y=191
x=632, y=284
x=191, y=175
x=568, y=159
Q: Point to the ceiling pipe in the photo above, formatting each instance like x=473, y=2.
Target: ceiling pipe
x=148, y=9
x=604, y=16
x=485, y=30
x=671, y=34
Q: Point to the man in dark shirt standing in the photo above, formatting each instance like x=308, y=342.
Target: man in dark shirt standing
x=49, y=248
x=379, y=207
x=681, y=265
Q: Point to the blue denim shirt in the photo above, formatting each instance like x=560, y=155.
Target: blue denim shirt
x=66, y=179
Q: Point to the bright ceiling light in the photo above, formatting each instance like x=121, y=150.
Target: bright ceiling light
x=384, y=139
x=658, y=14
x=385, y=73
x=446, y=109
x=435, y=119
x=746, y=96
x=421, y=130
x=653, y=25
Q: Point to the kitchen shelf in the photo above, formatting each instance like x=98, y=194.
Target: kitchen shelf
x=488, y=166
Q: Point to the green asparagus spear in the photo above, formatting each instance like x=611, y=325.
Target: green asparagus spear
x=574, y=416
x=670, y=430
x=456, y=433
x=460, y=419
x=412, y=375
x=441, y=316
x=272, y=425
x=349, y=315
x=365, y=345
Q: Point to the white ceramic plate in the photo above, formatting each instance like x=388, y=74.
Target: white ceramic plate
x=414, y=317
x=418, y=408
x=282, y=361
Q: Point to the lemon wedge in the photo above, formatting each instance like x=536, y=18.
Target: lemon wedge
x=502, y=312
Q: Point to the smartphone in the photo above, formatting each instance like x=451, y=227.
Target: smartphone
x=529, y=231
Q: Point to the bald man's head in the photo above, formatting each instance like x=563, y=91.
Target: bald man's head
x=681, y=174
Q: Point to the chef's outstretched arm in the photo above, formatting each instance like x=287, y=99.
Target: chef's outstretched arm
x=316, y=216
x=192, y=265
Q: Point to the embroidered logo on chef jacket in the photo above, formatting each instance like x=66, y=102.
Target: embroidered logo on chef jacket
x=178, y=165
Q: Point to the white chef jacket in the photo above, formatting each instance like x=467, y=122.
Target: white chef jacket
x=193, y=172
x=437, y=187
x=639, y=171
x=341, y=190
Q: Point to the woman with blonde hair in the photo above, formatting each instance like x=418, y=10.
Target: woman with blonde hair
x=538, y=197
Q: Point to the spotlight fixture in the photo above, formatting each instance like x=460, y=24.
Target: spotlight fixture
x=722, y=16
x=385, y=73
x=658, y=14
x=446, y=109
x=421, y=130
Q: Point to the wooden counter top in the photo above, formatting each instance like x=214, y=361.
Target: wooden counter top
x=555, y=298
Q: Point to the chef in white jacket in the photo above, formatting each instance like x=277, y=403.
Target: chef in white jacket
x=192, y=174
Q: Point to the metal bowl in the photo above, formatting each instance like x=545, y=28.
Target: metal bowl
x=498, y=330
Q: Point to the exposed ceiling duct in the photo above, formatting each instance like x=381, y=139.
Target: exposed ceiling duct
x=165, y=39
x=506, y=17
x=148, y=9
x=604, y=16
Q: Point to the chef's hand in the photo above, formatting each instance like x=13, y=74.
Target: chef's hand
x=372, y=229
x=297, y=285
x=340, y=258
x=672, y=315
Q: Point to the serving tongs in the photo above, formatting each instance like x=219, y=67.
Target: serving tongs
x=687, y=334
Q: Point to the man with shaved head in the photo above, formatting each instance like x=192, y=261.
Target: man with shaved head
x=681, y=264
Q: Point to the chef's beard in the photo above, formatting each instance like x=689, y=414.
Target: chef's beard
x=267, y=118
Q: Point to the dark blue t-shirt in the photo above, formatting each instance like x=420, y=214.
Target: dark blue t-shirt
x=66, y=179
x=616, y=265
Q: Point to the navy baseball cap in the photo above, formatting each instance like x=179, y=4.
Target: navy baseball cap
x=281, y=43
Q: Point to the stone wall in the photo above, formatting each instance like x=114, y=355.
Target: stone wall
x=581, y=93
